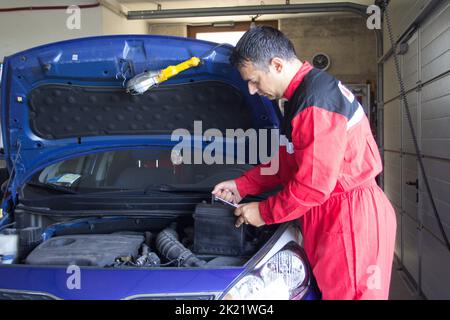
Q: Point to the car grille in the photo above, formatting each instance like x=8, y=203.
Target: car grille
x=23, y=295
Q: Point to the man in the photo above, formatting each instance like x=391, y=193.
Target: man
x=327, y=171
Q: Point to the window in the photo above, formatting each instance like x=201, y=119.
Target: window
x=224, y=32
x=134, y=169
x=231, y=37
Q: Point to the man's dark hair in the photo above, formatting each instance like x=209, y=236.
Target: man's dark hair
x=260, y=45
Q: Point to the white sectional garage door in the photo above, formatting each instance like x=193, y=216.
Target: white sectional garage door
x=426, y=72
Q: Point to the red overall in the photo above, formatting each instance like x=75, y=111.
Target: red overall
x=327, y=167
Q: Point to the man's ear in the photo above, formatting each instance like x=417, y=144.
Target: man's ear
x=277, y=64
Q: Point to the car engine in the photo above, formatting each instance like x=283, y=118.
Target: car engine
x=208, y=239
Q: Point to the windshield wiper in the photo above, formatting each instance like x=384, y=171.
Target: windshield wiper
x=115, y=191
x=52, y=187
x=177, y=188
x=196, y=189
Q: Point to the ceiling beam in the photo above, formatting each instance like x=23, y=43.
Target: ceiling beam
x=248, y=10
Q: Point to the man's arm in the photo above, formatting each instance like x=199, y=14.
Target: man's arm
x=255, y=182
x=319, y=138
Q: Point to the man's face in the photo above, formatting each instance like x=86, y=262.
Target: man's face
x=263, y=82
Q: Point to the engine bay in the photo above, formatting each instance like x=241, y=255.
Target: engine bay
x=205, y=238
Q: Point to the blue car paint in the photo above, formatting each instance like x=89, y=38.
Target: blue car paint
x=98, y=61
x=50, y=231
x=112, y=284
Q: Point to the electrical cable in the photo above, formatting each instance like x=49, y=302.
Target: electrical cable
x=142, y=82
x=208, y=53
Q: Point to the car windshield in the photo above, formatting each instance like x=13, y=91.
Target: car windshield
x=134, y=170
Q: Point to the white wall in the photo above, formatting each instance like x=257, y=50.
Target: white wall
x=179, y=30
x=112, y=23
x=20, y=30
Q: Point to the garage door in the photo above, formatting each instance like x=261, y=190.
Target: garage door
x=435, y=122
x=426, y=72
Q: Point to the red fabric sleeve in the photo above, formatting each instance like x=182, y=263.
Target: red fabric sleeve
x=319, y=137
x=254, y=182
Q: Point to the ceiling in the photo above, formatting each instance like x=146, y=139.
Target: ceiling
x=135, y=5
x=172, y=4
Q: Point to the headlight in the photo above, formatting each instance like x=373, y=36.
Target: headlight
x=247, y=288
x=284, y=276
x=287, y=266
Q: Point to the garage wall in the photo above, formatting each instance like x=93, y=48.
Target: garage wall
x=346, y=39
x=426, y=72
x=20, y=30
x=179, y=30
x=115, y=24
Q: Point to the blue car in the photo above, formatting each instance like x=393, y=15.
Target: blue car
x=100, y=202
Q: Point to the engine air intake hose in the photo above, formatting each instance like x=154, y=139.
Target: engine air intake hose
x=168, y=245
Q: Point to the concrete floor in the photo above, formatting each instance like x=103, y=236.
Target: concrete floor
x=401, y=287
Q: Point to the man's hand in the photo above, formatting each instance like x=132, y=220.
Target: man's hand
x=228, y=191
x=249, y=214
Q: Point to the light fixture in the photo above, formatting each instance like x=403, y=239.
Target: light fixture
x=223, y=24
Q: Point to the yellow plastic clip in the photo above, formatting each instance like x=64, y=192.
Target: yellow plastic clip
x=171, y=71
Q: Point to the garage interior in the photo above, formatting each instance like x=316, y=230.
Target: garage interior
x=362, y=58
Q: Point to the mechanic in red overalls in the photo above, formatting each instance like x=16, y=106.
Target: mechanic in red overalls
x=328, y=161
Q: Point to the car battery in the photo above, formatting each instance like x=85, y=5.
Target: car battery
x=215, y=231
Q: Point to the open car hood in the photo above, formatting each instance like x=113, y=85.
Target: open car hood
x=68, y=98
